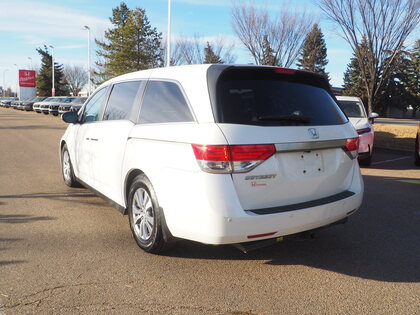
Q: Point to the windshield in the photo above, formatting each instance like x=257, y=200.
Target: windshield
x=66, y=100
x=79, y=100
x=263, y=98
x=352, y=108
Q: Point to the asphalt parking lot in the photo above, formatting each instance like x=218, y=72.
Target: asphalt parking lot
x=66, y=251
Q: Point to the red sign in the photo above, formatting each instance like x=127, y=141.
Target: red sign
x=27, y=78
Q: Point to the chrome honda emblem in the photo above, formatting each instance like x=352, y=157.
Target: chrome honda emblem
x=313, y=133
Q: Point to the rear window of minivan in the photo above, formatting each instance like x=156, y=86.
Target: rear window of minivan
x=263, y=97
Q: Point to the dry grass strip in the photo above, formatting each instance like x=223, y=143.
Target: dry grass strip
x=395, y=136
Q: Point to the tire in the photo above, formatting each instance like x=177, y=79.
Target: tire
x=67, y=168
x=367, y=161
x=145, y=216
x=416, y=152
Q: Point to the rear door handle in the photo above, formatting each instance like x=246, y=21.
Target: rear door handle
x=92, y=139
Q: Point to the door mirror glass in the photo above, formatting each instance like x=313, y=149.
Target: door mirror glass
x=70, y=117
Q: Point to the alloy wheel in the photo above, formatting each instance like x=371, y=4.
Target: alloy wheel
x=142, y=214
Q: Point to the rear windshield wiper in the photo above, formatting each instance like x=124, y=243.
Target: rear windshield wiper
x=292, y=118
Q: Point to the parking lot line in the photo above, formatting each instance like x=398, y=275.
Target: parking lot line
x=392, y=160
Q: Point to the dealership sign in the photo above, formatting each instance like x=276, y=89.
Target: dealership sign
x=27, y=78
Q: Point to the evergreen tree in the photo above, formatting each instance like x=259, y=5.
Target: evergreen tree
x=210, y=56
x=353, y=85
x=44, y=76
x=268, y=54
x=313, y=56
x=395, y=92
x=131, y=45
x=353, y=82
x=413, y=77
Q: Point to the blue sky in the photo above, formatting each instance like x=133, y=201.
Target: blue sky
x=28, y=24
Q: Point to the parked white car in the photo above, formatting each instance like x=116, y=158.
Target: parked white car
x=355, y=110
x=43, y=106
x=217, y=154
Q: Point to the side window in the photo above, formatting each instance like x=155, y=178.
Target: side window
x=94, y=107
x=122, y=100
x=164, y=102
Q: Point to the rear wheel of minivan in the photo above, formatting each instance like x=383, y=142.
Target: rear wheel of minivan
x=145, y=216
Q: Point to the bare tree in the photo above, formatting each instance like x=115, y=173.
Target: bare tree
x=285, y=32
x=176, y=55
x=224, y=49
x=191, y=50
x=76, y=77
x=385, y=24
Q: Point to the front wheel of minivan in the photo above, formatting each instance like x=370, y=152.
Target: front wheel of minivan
x=145, y=216
x=67, y=168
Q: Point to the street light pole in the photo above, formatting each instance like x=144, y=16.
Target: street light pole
x=88, y=29
x=30, y=63
x=168, y=40
x=17, y=78
x=53, y=86
x=4, y=82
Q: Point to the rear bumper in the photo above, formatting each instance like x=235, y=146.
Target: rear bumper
x=366, y=143
x=212, y=214
x=227, y=230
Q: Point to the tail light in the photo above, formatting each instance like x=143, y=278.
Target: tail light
x=351, y=147
x=231, y=158
x=284, y=70
x=362, y=131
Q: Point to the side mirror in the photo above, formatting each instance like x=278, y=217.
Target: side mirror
x=372, y=117
x=70, y=117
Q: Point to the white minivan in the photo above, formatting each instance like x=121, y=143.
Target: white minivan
x=218, y=154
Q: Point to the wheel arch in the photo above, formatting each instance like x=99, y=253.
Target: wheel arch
x=131, y=175
x=127, y=184
x=62, y=144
